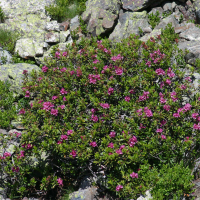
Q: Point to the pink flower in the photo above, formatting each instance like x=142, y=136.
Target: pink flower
x=21, y=154
x=54, y=97
x=63, y=69
x=119, y=151
x=162, y=100
x=71, y=72
x=55, y=68
x=176, y=115
x=188, y=79
x=118, y=57
x=174, y=99
x=163, y=137
x=149, y=113
x=62, y=91
x=6, y=154
x=163, y=122
x=119, y=187
x=196, y=126
x=162, y=84
x=180, y=110
x=73, y=153
x=93, y=110
x=167, y=107
x=25, y=72
x=127, y=98
x=54, y=112
x=93, y=144
x=134, y=175
x=139, y=112
x=94, y=118
x=69, y=132
x=47, y=106
x=59, y=142
x=29, y=146
x=132, y=141
x=110, y=90
x=96, y=61
x=60, y=181
x=183, y=87
x=160, y=71
x=62, y=106
x=187, y=107
x=105, y=67
x=159, y=130
x=15, y=169
x=194, y=115
x=64, y=137
x=22, y=111
x=187, y=138
x=141, y=126
x=44, y=68
x=168, y=82
x=64, y=99
x=122, y=147
x=171, y=75
x=111, y=145
x=110, y=153
x=173, y=94
x=112, y=134
x=131, y=91
x=57, y=54
x=148, y=63
x=161, y=95
x=142, y=98
x=111, y=78
x=119, y=71
x=64, y=54
x=104, y=105
x=17, y=134
x=27, y=94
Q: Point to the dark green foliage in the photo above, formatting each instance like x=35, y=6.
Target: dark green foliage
x=2, y=15
x=76, y=82
x=8, y=39
x=7, y=109
x=154, y=20
x=66, y=9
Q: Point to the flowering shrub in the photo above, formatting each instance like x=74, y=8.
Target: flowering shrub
x=8, y=110
x=122, y=115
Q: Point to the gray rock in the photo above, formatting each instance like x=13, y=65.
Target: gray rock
x=13, y=73
x=86, y=194
x=159, y=9
x=191, y=34
x=167, y=20
x=197, y=8
x=135, y=6
x=52, y=26
x=74, y=23
x=101, y=16
x=129, y=23
x=7, y=56
x=167, y=6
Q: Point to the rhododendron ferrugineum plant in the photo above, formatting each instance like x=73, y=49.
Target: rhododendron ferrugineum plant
x=125, y=113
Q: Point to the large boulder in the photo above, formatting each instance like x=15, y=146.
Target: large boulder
x=129, y=23
x=13, y=74
x=101, y=16
x=138, y=5
x=5, y=56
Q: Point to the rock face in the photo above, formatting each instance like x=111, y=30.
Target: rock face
x=116, y=19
